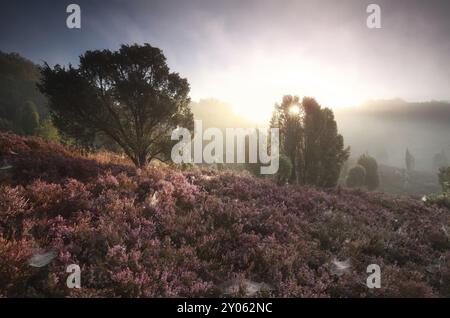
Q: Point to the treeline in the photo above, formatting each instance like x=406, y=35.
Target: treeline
x=22, y=107
x=128, y=101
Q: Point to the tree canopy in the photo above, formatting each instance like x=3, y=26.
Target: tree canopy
x=129, y=95
x=309, y=138
x=356, y=177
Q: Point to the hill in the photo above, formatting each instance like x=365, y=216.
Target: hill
x=400, y=181
x=165, y=232
x=386, y=128
x=18, y=78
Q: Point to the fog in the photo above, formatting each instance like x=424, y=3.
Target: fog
x=382, y=128
x=385, y=129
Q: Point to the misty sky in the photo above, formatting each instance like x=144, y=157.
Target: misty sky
x=250, y=52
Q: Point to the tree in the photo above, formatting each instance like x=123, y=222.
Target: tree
x=409, y=160
x=289, y=121
x=356, y=177
x=332, y=153
x=309, y=138
x=284, y=169
x=30, y=118
x=442, y=199
x=129, y=95
x=371, y=167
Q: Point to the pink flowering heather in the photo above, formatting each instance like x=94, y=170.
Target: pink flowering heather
x=161, y=232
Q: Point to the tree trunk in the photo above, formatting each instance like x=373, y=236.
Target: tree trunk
x=141, y=161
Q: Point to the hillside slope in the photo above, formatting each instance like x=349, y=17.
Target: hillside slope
x=164, y=232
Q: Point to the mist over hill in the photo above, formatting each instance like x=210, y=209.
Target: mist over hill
x=383, y=128
x=386, y=128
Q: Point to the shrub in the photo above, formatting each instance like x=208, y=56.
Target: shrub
x=48, y=131
x=442, y=199
x=444, y=179
x=356, y=177
x=371, y=167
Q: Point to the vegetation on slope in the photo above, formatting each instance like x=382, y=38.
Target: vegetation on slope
x=162, y=232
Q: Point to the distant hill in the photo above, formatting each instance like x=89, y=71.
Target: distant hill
x=400, y=181
x=386, y=128
x=18, y=78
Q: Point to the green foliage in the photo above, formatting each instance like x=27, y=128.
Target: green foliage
x=18, y=78
x=356, y=177
x=48, y=131
x=290, y=127
x=444, y=179
x=309, y=138
x=30, y=118
x=371, y=166
x=442, y=199
x=129, y=95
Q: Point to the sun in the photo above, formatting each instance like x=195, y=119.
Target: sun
x=253, y=88
x=294, y=110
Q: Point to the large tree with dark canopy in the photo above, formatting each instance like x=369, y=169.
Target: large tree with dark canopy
x=129, y=95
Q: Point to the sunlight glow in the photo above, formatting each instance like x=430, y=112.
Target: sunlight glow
x=253, y=86
x=294, y=110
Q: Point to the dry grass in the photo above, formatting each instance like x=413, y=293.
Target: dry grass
x=106, y=157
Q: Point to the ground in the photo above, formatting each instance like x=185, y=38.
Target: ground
x=166, y=232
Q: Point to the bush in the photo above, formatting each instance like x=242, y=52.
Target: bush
x=442, y=199
x=444, y=179
x=356, y=177
x=371, y=167
x=48, y=131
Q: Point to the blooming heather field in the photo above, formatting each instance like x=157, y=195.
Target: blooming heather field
x=164, y=232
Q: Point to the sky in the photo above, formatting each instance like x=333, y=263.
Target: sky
x=249, y=53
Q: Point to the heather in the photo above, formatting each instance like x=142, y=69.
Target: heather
x=164, y=232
